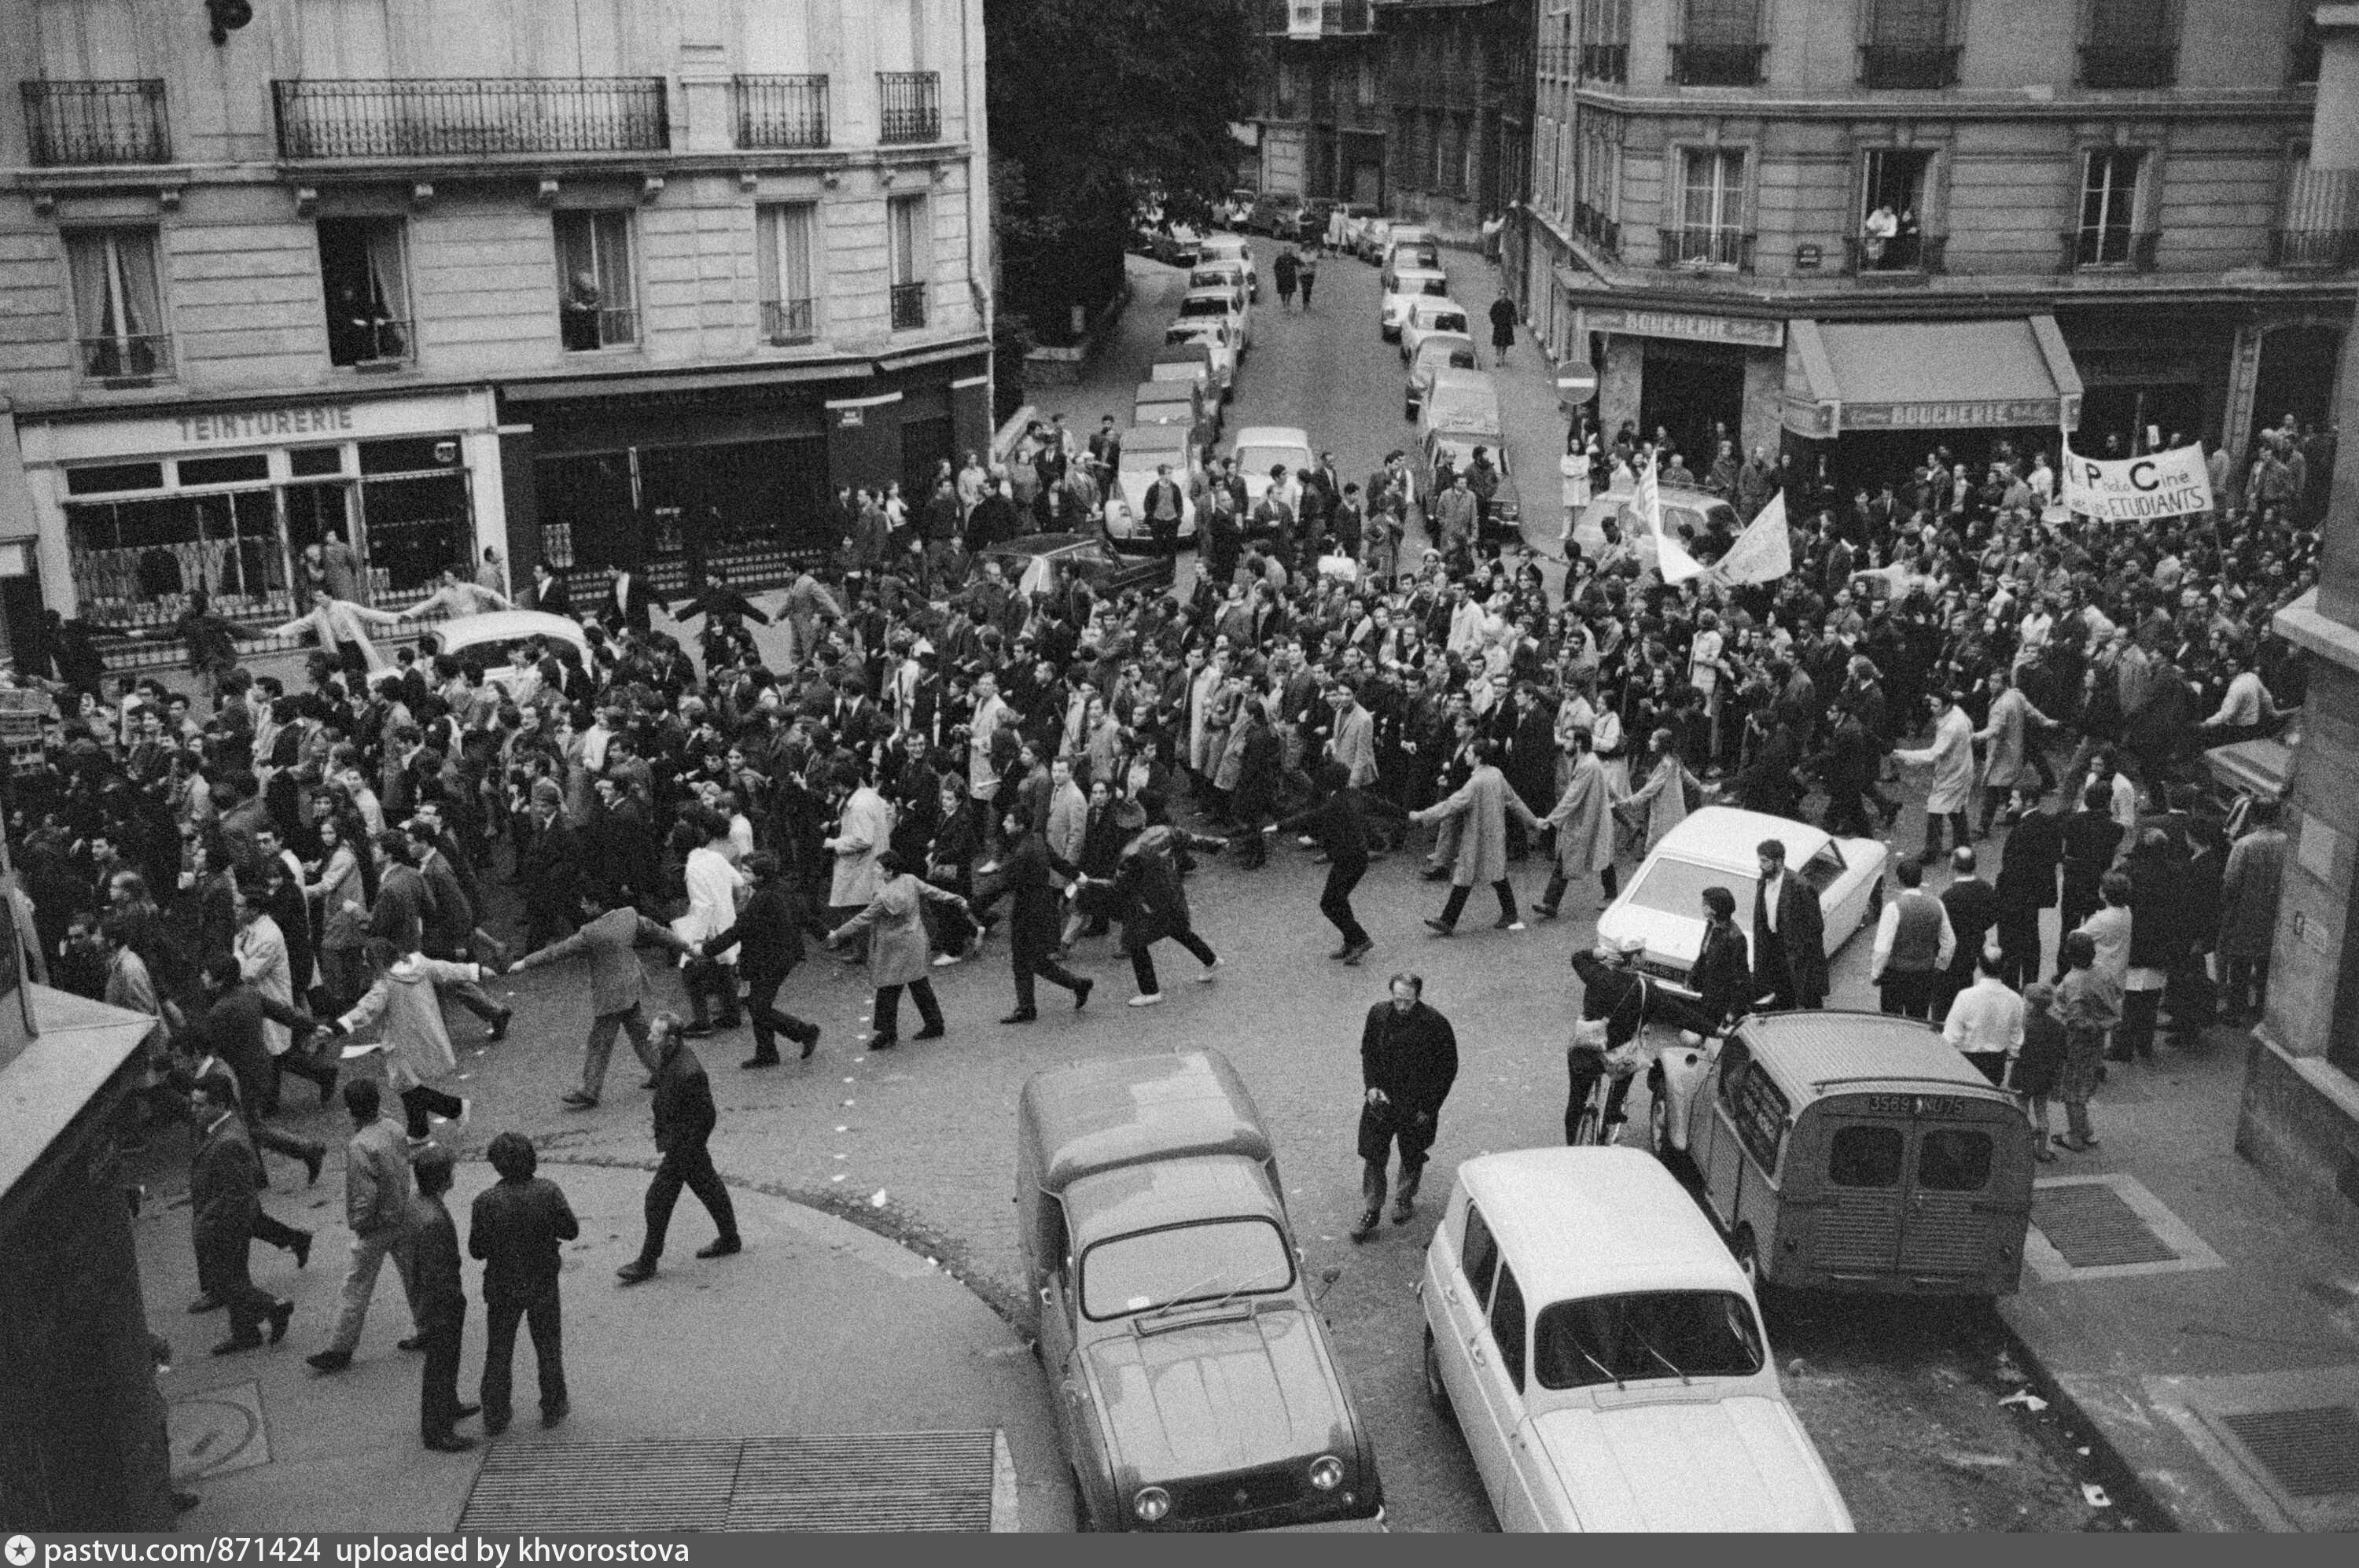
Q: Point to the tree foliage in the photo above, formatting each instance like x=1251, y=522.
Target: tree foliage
x=1095, y=105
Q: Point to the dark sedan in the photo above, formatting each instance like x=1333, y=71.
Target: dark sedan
x=1086, y=556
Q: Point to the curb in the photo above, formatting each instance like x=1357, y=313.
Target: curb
x=2120, y=1477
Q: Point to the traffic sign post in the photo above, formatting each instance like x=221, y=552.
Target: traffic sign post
x=1576, y=384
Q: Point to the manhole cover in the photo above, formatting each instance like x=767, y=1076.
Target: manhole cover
x=2092, y=1227
x=929, y=1481
x=2308, y=1453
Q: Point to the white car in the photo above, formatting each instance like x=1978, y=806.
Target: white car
x=1427, y=315
x=1603, y=1355
x=1232, y=247
x=1699, y=511
x=1223, y=298
x=1369, y=239
x=1215, y=333
x=1229, y=275
x=1435, y=352
x=498, y=641
x=1260, y=448
x=1145, y=448
x=1413, y=237
x=1717, y=847
x=1402, y=286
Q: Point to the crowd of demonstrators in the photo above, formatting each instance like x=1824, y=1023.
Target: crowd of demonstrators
x=935, y=740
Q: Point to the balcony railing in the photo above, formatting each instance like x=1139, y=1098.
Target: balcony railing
x=1717, y=65
x=1605, y=63
x=470, y=116
x=2128, y=65
x=127, y=358
x=386, y=341
x=788, y=321
x=909, y=306
x=1337, y=18
x=910, y=106
x=2323, y=249
x=1902, y=257
x=780, y=111
x=2109, y=247
x=72, y=123
x=1706, y=247
x=1593, y=225
x=584, y=329
x=1909, y=66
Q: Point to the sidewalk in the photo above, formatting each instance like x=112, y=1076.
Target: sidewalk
x=819, y=1328
x=2177, y=1305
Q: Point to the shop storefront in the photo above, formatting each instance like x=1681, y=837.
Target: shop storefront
x=135, y=512
x=1699, y=377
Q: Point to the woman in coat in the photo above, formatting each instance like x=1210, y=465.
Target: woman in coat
x=1154, y=904
x=899, y=952
x=1583, y=821
x=1661, y=803
x=1481, y=808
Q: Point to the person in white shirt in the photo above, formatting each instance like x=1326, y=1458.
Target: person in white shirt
x=1985, y=1021
x=2246, y=709
x=714, y=890
x=1914, y=944
x=2109, y=928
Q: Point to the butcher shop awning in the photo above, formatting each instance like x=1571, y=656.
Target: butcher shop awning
x=1928, y=375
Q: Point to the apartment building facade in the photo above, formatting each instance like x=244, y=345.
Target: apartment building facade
x=592, y=284
x=1855, y=229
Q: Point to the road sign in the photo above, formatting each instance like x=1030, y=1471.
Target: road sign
x=1576, y=383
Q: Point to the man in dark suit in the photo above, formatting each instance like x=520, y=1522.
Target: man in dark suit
x=1974, y=906
x=2090, y=838
x=1789, y=942
x=224, y=1179
x=551, y=593
x=1038, y=917
x=441, y=1303
x=1163, y=505
x=2026, y=885
x=515, y=1228
x=684, y=1121
x=626, y=602
x=770, y=929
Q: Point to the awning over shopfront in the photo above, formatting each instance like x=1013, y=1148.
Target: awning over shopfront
x=1928, y=375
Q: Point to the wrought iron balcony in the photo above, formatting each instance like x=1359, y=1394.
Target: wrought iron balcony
x=2128, y=65
x=1717, y=65
x=382, y=342
x=470, y=116
x=128, y=357
x=2109, y=247
x=780, y=111
x=72, y=123
x=582, y=329
x=910, y=106
x=1605, y=63
x=909, y=306
x=1909, y=66
x=2320, y=249
x=1901, y=257
x=788, y=321
x=1706, y=247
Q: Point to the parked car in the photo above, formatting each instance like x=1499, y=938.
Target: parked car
x=1188, y=360
x=1174, y=245
x=1229, y=294
x=1276, y=214
x=1345, y=223
x=499, y=642
x=1215, y=333
x=1399, y=288
x=1194, y=1383
x=1715, y=847
x=1177, y=403
x=1698, y=512
x=1230, y=275
x=1435, y=351
x=1505, y=517
x=1603, y=1355
x=1145, y=448
x=1369, y=239
x=1085, y=556
x=1853, y=1151
x=1414, y=244
x=1459, y=399
x=1233, y=247
x=1427, y=314
x=1259, y=448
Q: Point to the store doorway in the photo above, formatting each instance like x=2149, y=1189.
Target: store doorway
x=2297, y=377
x=1693, y=390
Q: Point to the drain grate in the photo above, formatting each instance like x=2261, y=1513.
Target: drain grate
x=2092, y=1227
x=930, y=1481
x=2308, y=1453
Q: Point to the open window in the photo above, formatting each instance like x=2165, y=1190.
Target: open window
x=1892, y=206
x=364, y=279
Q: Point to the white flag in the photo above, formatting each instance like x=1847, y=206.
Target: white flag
x=1763, y=554
x=1671, y=557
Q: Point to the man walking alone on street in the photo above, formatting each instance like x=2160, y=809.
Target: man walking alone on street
x=684, y=1122
x=1409, y=1060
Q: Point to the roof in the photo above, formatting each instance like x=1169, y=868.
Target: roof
x=1597, y=1221
x=1728, y=837
x=1272, y=435
x=1099, y=1115
x=1160, y=1193
x=1157, y=437
x=47, y=1080
x=505, y=625
x=1851, y=1049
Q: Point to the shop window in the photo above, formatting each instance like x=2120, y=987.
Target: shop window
x=2109, y=183
x=596, y=306
x=308, y=461
x=244, y=469
x=365, y=278
x=100, y=479
x=782, y=237
x=912, y=257
x=1892, y=202
x=118, y=307
x=136, y=560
